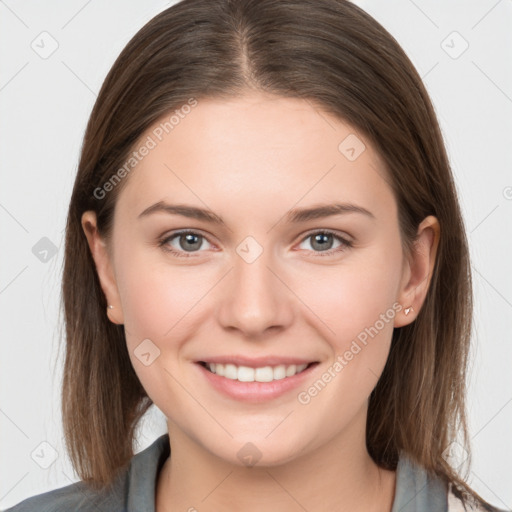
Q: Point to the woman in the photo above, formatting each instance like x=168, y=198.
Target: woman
x=264, y=240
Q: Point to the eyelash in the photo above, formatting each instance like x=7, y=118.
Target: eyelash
x=345, y=244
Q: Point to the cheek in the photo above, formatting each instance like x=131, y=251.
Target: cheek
x=358, y=302
x=352, y=296
x=158, y=303
x=157, y=295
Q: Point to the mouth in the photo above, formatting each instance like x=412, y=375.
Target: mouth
x=256, y=379
x=266, y=373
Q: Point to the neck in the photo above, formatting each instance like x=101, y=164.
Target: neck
x=339, y=475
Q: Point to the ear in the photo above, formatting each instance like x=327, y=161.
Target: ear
x=104, y=267
x=417, y=271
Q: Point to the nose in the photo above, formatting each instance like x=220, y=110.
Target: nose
x=256, y=300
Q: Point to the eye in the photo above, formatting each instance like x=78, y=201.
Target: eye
x=322, y=242
x=183, y=242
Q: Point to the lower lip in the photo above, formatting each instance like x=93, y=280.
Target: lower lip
x=255, y=392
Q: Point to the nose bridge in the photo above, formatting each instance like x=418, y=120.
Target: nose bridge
x=255, y=298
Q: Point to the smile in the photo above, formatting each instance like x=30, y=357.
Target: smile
x=258, y=383
x=248, y=374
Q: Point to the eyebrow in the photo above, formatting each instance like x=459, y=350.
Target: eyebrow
x=295, y=215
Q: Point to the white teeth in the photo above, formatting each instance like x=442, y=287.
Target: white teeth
x=279, y=372
x=291, y=370
x=265, y=374
x=262, y=374
x=230, y=371
x=245, y=374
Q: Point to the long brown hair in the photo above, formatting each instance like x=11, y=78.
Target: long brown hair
x=333, y=54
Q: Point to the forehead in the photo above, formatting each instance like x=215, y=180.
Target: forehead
x=260, y=146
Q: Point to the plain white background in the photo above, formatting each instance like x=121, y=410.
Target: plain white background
x=463, y=51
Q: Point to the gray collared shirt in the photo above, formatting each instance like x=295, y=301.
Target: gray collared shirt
x=134, y=489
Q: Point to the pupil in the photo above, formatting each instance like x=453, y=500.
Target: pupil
x=322, y=240
x=190, y=241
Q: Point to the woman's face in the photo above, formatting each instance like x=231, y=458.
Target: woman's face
x=259, y=283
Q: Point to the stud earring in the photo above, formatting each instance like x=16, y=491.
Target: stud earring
x=408, y=310
x=110, y=306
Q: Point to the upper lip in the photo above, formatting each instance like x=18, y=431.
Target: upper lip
x=256, y=362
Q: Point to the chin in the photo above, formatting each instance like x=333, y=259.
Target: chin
x=259, y=452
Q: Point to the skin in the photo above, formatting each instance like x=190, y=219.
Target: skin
x=250, y=160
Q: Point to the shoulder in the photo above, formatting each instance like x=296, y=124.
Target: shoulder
x=76, y=496
x=132, y=489
x=418, y=489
